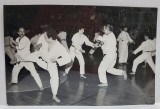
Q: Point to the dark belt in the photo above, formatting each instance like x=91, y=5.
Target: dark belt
x=150, y=51
x=44, y=61
x=104, y=55
x=74, y=49
x=73, y=46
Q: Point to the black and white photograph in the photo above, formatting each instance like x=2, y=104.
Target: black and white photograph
x=79, y=55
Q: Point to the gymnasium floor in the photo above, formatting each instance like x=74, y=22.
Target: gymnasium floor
x=138, y=89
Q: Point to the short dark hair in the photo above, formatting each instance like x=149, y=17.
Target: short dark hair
x=125, y=27
x=81, y=26
x=20, y=28
x=51, y=33
x=44, y=27
x=109, y=26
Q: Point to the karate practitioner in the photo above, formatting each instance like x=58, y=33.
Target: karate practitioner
x=154, y=52
x=50, y=54
x=110, y=56
x=147, y=47
x=124, y=39
x=10, y=50
x=76, y=50
x=23, y=50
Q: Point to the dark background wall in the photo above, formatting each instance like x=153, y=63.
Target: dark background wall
x=68, y=18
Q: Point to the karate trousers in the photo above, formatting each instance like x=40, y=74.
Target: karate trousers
x=50, y=67
x=145, y=56
x=30, y=67
x=123, y=52
x=75, y=53
x=107, y=65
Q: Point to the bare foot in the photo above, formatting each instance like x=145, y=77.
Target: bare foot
x=41, y=88
x=132, y=73
x=56, y=99
x=82, y=76
x=103, y=85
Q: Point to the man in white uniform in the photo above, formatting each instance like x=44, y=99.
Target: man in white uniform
x=76, y=50
x=23, y=50
x=52, y=53
x=110, y=55
x=124, y=39
x=147, y=47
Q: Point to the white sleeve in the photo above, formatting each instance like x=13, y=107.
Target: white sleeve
x=140, y=48
x=75, y=42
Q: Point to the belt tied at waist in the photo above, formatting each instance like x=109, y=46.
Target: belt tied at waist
x=73, y=46
x=104, y=55
x=150, y=51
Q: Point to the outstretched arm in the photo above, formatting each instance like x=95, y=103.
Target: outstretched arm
x=140, y=48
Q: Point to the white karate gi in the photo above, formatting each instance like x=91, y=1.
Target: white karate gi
x=123, y=40
x=62, y=57
x=77, y=42
x=23, y=50
x=109, y=60
x=146, y=47
x=58, y=52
